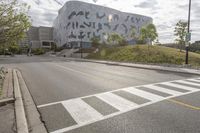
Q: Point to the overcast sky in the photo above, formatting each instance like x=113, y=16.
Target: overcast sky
x=165, y=13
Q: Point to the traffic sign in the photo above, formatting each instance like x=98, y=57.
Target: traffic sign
x=188, y=37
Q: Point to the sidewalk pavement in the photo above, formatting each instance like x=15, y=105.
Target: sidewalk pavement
x=7, y=111
x=177, y=69
x=7, y=118
x=18, y=113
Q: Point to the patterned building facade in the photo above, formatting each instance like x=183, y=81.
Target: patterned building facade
x=79, y=22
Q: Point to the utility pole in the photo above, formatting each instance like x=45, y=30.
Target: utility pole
x=188, y=34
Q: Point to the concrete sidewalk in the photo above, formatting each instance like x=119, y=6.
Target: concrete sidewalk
x=177, y=69
x=7, y=111
x=18, y=112
x=7, y=118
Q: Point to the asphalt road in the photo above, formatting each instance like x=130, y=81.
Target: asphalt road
x=81, y=97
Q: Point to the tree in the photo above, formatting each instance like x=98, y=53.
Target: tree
x=180, y=33
x=148, y=33
x=14, y=21
x=14, y=48
x=133, y=33
x=95, y=42
x=157, y=42
x=116, y=39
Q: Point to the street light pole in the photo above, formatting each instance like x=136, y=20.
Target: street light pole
x=81, y=48
x=188, y=33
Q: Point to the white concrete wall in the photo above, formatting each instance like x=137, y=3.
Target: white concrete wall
x=33, y=33
x=37, y=35
x=78, y=20
x=45, y=33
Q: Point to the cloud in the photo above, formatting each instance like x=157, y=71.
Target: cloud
x=95, y=1
x=147, y=4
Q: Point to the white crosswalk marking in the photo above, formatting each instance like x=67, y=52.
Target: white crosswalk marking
x=180, y=86
x=186, y=82
x=84, y=113
x=116, y=101
x=172, y=92
x=143, y=94
x=80, y=111
x=194, y=80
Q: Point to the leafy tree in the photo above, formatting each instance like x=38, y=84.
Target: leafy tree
x=14, y=48
x=157, y=42
x=195, y=47
x=14, y=21
x=180, y=33
x=115, y=39
x=133, y=33
x=95, y=42
x=122, y=42
x=148, y=33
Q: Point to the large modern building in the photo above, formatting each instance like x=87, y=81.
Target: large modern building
x=39, y=37
x=79, y=22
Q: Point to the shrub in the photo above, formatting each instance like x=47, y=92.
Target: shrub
x=38, y=51
x=14, y=48
x=95, y=42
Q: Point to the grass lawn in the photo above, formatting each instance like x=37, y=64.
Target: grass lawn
x=145, y=54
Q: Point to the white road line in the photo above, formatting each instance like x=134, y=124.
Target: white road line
x=116, y=101
x=73, y=70
x=162, y=89
x=194, y=80
x=190, y=83
x=167, y=83
x=81, y=111
x=143, y=94
x=180, y=86
x=132, y=90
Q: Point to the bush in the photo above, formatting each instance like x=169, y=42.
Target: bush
x=15, y=49
x=58, y=49
x=1, y=50
x=38, y=51
x=95, y=42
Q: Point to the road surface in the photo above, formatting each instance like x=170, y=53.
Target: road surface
x=83, y=97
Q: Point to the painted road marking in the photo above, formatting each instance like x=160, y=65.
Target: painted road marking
x=172, y=92
x=131, y=97
x=190, y=83
x=171, y=88
x=162, y=94
x=73, y=70
x=194, y=80
x=84, y=114
x=115, y=114
x=184, y=104
x=116, y=101
x=81, y=111
x=99, y=105
x=180, y=86
x=143, y=94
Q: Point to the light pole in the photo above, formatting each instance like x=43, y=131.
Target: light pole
x=188, y=34
x=81, y=48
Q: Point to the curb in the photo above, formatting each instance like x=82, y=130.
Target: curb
x=35, y=125
x=7, y=89
x=22, y=126
x=6, y=101
x=143, y=66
